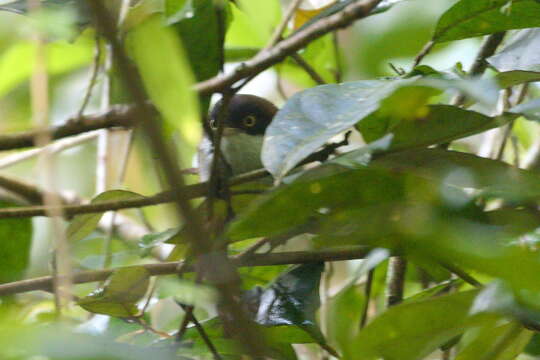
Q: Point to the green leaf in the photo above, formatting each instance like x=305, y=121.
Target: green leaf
x=83, y=225
x=347, y=306
x=167, y=77
x=120, y=293
x=62, y=6
x=197, y=24
x=466, y=171
x=434, y=124
x=253, y=22
x=529, y=109
x=292, y=299
x=150, y=241
x=15, y=245
x=17, y=62
x=312, y=117
x=412, y=331
x=287, y=208
x=480, y=341
x=512, y=78
x=470, y=18
x=520, y=53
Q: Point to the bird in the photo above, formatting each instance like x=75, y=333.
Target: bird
x=246, y=121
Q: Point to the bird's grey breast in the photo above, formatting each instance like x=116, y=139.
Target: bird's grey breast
x=242, y=153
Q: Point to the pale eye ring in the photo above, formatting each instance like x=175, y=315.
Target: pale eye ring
x=213, y=124
x=249, y=121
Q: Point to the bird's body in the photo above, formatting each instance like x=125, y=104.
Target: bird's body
x=247, y=118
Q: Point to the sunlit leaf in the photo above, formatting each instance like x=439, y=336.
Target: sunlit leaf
x=83, y=225
x=167, y=76
x=470, y=18
x=120, y=293
x=17, y=63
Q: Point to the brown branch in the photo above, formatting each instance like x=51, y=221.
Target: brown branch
x=122, y=115
x=190, y=192
x=397, y=267
x=285, y=258
x=290, y=45
x=116, y=116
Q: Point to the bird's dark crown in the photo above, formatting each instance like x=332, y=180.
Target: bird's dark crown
x=249, y=113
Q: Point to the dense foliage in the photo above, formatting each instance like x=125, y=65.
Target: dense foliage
x=402, y=221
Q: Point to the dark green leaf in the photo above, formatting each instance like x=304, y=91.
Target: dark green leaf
x=83, y=225
x=289, y=210
x=434, y=124
x=197, y=23
x=470, y=18
x=466, y=171
x=512, y=78
x=412, y=331
x=15, y=244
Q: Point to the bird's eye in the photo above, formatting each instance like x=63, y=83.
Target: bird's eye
x=249, y=121
x=213, y=124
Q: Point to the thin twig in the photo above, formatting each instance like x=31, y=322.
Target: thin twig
x=285, y=258
x=93, y=77
x=52, y=148
x=425, y=50
x=278, y=32
x=479, y=66
x=201, y=331
x=308, y=69
x=397, y=267
x=367, y=295
x=338, y=73
x=295, y=42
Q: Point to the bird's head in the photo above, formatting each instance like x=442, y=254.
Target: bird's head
x=247, y=114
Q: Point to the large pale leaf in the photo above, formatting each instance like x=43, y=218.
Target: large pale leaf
x=521, y=53
x=312, y=117
x=470, y=18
